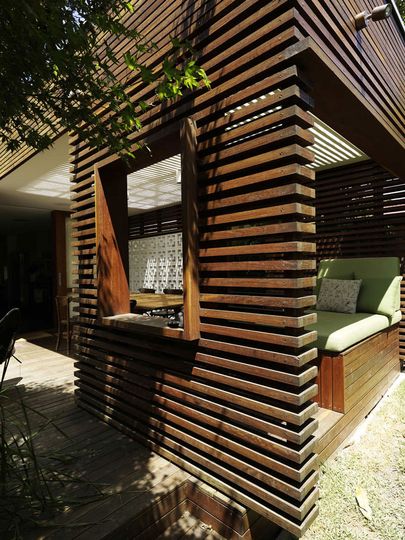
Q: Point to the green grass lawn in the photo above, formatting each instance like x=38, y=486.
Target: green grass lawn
x=376, y=463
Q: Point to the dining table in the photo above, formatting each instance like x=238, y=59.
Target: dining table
x=151, y=301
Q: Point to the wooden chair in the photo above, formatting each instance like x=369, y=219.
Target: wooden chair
x=63, y=320
x=145, y=290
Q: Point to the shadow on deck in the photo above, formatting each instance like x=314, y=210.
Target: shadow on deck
x=138, y=487
x=144, y=496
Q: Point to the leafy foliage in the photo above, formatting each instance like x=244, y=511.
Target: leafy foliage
x=31, y=480
x=59, y=58
x=401, y=7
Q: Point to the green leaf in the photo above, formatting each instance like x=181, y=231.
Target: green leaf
x=130, y=61
x=147, y=74
x=143, y=106
x=175, y=42
x=63, y=51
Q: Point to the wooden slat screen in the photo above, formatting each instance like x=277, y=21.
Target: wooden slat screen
x=155, y=222
x=361, y=213
x=371, y=59
x=235, y=408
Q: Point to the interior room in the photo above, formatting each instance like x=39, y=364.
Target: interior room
x=35, y=237
x=155, y=240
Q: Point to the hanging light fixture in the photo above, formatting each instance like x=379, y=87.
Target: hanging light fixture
x=379, y=13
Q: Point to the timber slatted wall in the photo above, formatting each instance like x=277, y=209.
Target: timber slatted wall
x=156, y=222
x=11, y=160
x=361, y=213
x=234, y=408
x=370, y=59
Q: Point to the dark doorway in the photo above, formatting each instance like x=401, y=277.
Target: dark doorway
x=26, y=268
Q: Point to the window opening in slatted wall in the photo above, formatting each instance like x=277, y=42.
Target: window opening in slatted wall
x=155, y=237
x=155, y=255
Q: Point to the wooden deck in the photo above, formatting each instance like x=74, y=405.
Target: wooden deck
x=148, y=496
x=144, y=485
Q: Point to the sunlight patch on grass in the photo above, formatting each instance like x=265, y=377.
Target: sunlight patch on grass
x=375, y=462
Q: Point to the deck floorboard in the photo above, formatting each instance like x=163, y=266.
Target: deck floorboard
x=135, y=478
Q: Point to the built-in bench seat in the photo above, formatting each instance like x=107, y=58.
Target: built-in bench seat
x=358, y=350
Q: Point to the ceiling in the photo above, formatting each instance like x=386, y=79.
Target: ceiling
x=40, y=183
x=155, y=186
x=331, y=149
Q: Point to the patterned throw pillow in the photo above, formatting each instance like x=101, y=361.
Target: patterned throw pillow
x=338, y=295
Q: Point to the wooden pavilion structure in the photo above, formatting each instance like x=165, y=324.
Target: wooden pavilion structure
x=230, y=398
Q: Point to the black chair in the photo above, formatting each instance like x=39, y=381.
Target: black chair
x=132, y=306
x=173, y=291
x=9, y=326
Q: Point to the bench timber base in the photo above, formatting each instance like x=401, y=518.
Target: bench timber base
x=352, y=382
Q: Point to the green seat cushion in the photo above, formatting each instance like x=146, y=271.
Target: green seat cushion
x=379, y=295
x=338, y=331
x=367, y=267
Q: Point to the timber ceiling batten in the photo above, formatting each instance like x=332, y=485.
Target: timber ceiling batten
x=235, y=409
x=331, y=149
x=155, y=186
